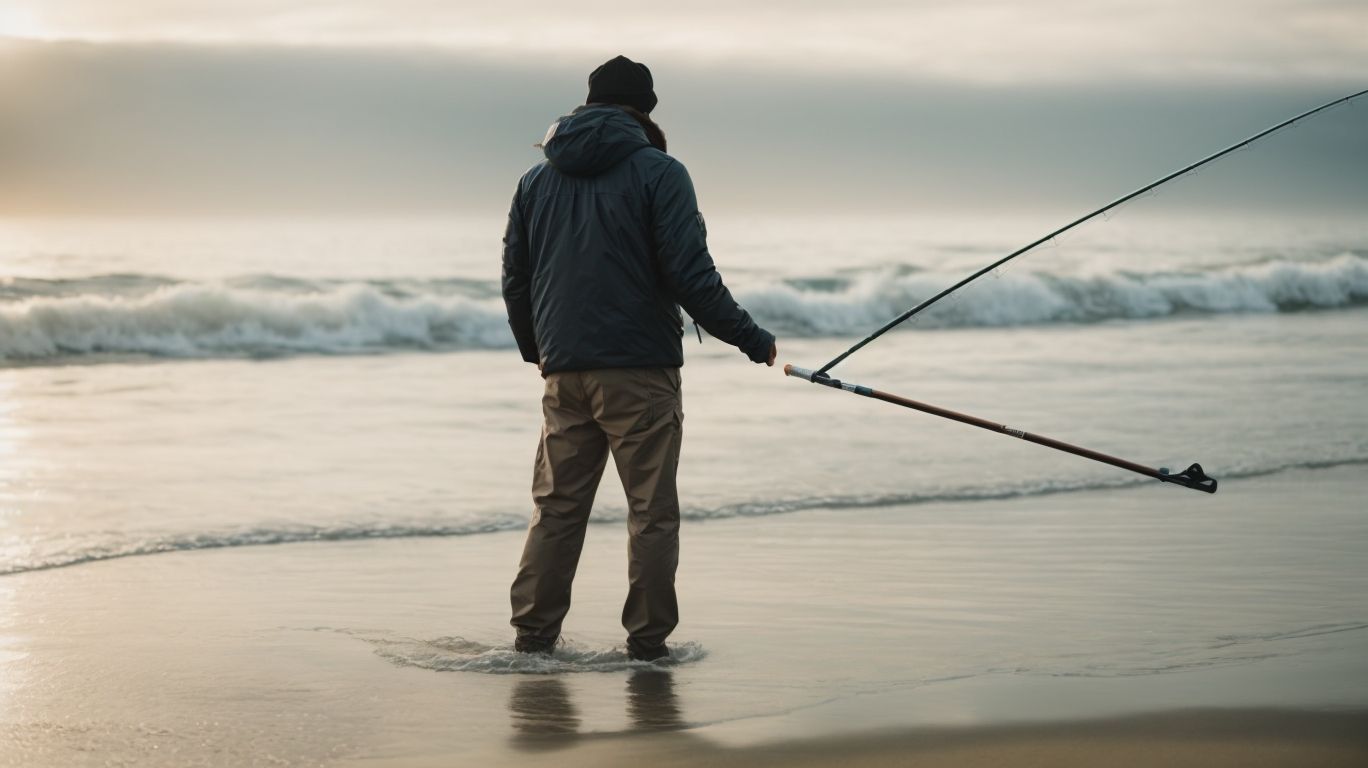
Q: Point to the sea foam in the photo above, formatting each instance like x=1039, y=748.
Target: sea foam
x=191, y=320
x=457, y=654
x=1022, y=297
x=214, y=320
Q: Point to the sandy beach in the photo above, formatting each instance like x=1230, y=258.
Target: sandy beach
x=1255, y=738
x=1077, y=632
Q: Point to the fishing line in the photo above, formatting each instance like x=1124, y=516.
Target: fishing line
x=1193, y=477
x=1109, y=206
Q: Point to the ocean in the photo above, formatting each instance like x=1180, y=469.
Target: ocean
x=181, y=384
x=286, y=460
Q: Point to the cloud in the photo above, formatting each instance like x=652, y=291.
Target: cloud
x=997, y=41
x=169, y=127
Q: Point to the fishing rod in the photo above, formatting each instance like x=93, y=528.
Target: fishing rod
x=1192, y=477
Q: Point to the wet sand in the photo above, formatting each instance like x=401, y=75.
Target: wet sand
x=1257, y=738
x=1144, y=626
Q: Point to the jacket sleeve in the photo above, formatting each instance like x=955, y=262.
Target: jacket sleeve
x=517, y=282
x=688, y=269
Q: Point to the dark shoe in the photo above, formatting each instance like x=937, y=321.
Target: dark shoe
x=534, y=644
x=636, y=653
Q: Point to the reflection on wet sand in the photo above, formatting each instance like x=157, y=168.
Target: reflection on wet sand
x=544, y=717
x=651, y=701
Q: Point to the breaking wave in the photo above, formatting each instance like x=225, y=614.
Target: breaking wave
x=70, y=554
x=188, y=320
x=269, y=316
x=1021, y=297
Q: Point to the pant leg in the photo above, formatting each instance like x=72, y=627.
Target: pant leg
x=570, y=460
x=641, y=412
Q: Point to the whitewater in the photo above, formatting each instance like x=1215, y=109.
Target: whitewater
x=271, y=315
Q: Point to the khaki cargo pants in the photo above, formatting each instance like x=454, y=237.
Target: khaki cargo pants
x=637, y=415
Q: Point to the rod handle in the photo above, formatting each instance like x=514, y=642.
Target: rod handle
x=793, y=370
x=1193, y=477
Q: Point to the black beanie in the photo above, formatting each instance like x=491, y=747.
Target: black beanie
x=622, y=81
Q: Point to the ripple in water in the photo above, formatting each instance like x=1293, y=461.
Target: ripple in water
x=457, y=654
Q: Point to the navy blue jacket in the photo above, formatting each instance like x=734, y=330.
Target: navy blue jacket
x=604, y=244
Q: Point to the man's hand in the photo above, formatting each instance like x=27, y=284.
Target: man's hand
x=774, y=352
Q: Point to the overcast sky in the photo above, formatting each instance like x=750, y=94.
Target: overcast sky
x=977, y=41
x=419, y=104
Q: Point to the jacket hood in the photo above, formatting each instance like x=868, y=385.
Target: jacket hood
x=591, y=140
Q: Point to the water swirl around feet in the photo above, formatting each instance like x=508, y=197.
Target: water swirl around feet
x=457, y=654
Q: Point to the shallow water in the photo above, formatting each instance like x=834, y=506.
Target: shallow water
x=457, y=654
x=131, y=458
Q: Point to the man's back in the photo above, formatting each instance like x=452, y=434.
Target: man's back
x=604, y=240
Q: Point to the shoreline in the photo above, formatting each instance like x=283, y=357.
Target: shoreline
x=173, y=544
x=1200, y=738
x=1111, y=627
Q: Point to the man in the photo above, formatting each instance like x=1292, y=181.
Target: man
x=604, y=244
